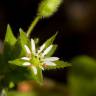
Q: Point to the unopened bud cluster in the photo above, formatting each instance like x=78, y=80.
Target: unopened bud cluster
x=48, y=7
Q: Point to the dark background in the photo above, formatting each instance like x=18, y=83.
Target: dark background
x=75, y=21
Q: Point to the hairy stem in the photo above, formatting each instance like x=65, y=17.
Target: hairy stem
x=33, y=24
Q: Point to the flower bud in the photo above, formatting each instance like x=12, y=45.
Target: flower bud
x=48, y=7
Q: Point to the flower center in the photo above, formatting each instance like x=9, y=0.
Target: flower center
x=35, y=61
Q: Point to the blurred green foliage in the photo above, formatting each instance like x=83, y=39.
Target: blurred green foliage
x=83, y=76
x=21, y=94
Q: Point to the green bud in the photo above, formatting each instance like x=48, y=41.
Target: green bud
x=48, y=7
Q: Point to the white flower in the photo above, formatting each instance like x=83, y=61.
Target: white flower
x=36, y=58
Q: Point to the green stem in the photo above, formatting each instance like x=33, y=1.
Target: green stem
x=33, y=24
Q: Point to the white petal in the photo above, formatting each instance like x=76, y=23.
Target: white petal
x=51, y=59
x=47, y=50
x=27, y=49
x=50, y=63
x=33, y=46
x=34, y=70
x=25, y=58
x=26, y=64
x=41, y=48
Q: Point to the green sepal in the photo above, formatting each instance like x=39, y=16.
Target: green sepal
x=22, y=40
x=50, y=40
x=59, y=64
x=52, y=51
x=17, y=49
x=38, y=78
x=17, y=62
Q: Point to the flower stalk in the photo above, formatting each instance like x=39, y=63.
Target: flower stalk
x=33, y=24
x=46, y=9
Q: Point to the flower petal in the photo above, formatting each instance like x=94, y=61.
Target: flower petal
x=26, y=64
x=34, y=70
x=41, y=48
x=25, y=58
x=47, y=50
x=51, y=59
x=49, y=63
x=33, y=46
x=27, y=49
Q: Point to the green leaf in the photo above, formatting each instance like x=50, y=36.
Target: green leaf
x=9, y=42
x=52, y=51
x=86, y=63
x=50, y=40
x=59, y=64
x=19, y=74
x=9, y=38
x=17, y=62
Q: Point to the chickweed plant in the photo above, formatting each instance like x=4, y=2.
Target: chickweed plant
x=22, y=58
